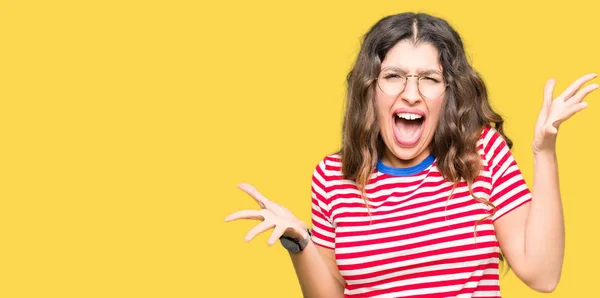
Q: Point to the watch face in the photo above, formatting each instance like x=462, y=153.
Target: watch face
x=290, y=245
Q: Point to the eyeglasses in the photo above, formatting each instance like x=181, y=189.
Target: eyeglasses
x=392, y=81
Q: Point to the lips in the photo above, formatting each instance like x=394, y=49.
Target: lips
x=408, y=126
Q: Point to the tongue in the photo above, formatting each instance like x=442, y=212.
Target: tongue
x=407, y=129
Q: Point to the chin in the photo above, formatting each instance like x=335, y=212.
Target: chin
x=405, y=157
x=405, y=154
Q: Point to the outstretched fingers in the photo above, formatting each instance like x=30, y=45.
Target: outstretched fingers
x=255, y=194
x=581, y=94
x=258, y=229
x=572, y=110
x=246, y=214
x=576, y=85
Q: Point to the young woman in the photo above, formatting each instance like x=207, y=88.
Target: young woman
x=424, y=197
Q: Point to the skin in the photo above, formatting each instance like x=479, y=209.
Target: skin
x=412, y=59
x=531, y=236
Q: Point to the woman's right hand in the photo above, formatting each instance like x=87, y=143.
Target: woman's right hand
x=272, y=215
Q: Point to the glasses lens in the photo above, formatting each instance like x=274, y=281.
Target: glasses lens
x=391, y=81
x=432, y=85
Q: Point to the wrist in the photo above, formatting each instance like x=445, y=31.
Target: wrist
x=544, y=151
x=544, y=154
x=545, y=158
x=298, y=230
x=295, y=245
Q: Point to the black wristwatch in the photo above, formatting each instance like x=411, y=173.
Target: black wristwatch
x=294, y=245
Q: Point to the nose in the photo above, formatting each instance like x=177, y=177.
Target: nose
x=411, y=94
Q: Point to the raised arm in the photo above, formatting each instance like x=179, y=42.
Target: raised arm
x=533, y=237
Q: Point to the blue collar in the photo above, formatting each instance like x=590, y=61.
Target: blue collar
x=406, y=171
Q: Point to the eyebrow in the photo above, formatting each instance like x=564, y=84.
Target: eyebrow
x=418, y=70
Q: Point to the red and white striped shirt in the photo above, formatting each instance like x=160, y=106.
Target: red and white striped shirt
x=417, y=242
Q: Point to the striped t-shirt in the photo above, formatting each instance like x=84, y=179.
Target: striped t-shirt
x=416, y=242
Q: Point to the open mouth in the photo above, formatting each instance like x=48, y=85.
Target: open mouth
x=408, y=128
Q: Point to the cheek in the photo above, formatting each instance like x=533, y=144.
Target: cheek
x=382, y=120
x=435, y=108
x=382, y=104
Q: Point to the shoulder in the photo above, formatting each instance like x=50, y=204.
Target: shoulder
x=327, y=171
x=328, y=174
x=330, y=165
x=493, y=147
x=490, y=139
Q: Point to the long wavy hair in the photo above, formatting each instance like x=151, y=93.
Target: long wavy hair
x=465, y=111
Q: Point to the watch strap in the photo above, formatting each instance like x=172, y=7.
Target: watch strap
x=295, y=245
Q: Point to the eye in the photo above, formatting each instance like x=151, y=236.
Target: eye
x=431, y=79
x=392, y=75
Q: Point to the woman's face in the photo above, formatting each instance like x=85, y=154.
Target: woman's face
x=407, y=121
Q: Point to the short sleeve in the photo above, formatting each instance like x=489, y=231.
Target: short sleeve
x=509, y=189
x=323, y=233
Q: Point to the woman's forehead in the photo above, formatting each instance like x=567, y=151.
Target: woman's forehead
x=411, y=57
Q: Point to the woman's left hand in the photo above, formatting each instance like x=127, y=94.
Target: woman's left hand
x=556, y=111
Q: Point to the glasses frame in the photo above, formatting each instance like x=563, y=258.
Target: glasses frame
x=418, y=76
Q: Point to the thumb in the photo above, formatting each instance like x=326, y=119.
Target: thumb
x=552, y=128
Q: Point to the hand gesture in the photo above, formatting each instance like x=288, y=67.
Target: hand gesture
x=272, y=215
x=556, y=111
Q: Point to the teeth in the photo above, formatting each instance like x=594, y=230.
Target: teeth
x=409, y=116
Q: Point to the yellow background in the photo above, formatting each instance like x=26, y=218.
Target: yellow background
x=126, y=125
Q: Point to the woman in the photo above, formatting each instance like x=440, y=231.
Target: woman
x=425, y=193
